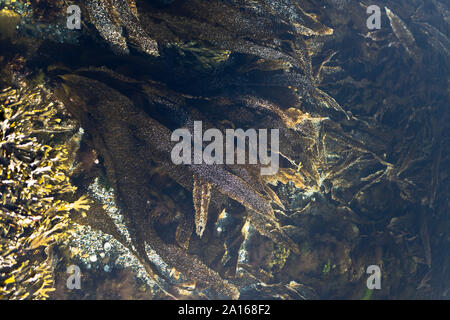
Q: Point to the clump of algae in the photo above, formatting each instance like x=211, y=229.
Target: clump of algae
x=35, y=162
x=279, y=258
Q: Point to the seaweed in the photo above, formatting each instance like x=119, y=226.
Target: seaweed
x=35, y=190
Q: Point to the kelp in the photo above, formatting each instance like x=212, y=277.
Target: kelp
x=149, y=132
x=110, y=16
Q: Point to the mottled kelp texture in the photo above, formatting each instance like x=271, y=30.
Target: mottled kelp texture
x=363, y=123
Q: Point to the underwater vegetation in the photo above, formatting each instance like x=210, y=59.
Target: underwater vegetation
x=34, y=184
x=363, y=122
x=153, y=108
x=109, y=16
